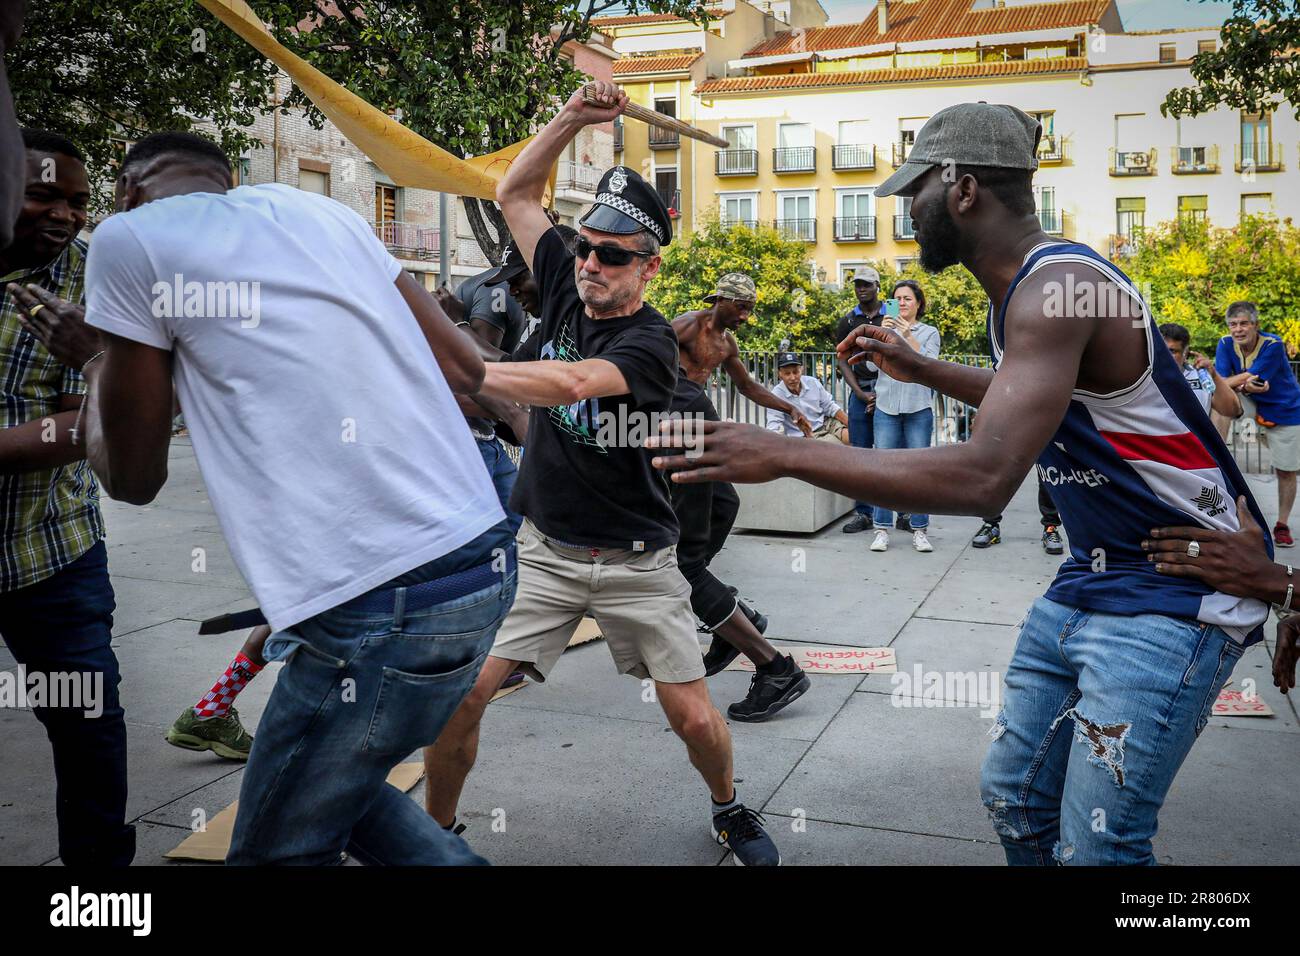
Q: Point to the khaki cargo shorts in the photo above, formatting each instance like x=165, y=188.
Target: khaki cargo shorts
x=1282, y=441
x=639, y=599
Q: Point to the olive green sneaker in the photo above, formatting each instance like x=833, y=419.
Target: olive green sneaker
x=224, y=736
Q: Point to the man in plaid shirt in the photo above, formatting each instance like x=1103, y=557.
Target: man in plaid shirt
x=56, y=602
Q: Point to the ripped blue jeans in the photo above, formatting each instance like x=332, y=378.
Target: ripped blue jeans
x=1100, y=712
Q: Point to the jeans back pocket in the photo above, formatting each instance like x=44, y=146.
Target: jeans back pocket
x=411, y=709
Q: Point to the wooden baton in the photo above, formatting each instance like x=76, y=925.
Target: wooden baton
x=662, y=120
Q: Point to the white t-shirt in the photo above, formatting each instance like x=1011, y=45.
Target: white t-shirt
x=332, y=448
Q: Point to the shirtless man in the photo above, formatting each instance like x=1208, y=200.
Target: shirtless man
x=707, y=511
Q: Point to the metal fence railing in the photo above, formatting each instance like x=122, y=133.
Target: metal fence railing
x=952, y=419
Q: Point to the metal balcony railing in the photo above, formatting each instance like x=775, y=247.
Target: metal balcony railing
x=899, y=153
x=740, y=223
x=580, y=177
x=1051, y=149
x=673, y=200
x=846, y=156
x=407, y=240
x=664, y=138
x=800, y=229
x=1052, y=221
x=1123, y=246
x=794, y=159
x=1187, y=160
x=1132, y=162
x=903, y=227
x=618, y=136
x=735, y=162
x=855, y=228
x=1260, y=157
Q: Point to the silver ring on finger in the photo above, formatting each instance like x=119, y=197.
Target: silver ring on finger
x=1193, y=549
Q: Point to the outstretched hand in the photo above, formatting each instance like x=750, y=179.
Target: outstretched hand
x=57, y=324
x=719, y=451
x=886, y=348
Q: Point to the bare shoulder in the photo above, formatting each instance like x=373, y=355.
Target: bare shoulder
x=686, y=325
x=733, y=347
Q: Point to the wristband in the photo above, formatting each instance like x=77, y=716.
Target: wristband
x=1284, y=609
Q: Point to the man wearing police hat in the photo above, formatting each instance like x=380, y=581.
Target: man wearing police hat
x=1116, y=666
x=599, y=534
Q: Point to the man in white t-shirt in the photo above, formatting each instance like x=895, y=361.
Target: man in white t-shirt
x=317, y=380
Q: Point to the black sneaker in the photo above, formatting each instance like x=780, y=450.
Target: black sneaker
x=769, y=694
x=858, y=523
x=903, y=522
x=988, y=534
x=718, y=656
x=1052, y=543
x=740, y=830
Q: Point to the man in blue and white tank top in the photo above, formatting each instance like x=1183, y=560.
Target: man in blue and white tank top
x=1117, y=666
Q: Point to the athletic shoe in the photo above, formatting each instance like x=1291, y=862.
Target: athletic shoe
x=921, y=542
x=718, y=656
x=988, y=534
x=1052, y=543
x=881, y=541
x=224, y=736
x=858, y=523
x=770, y=693
x=1282, y=536
x=903, y=522
x=740, y=830
x=516, y=677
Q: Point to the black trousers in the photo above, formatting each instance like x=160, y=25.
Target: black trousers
x=1051, y=518
x=705, y=513
x=63, y=625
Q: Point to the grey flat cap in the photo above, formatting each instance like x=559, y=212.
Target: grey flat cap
x=969, y=134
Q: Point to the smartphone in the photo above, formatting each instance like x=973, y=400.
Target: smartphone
x=891, y=308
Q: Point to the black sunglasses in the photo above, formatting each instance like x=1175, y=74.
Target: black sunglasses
x=581, y=248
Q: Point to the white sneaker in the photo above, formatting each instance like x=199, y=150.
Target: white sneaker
x=881, y=541
x=921, y=542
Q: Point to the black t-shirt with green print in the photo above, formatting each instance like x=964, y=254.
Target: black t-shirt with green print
x=585, y=477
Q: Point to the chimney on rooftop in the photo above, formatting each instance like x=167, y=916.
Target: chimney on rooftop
x=882, y=17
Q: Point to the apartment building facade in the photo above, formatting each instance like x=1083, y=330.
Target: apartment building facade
x=817, y=117
x=407, y=219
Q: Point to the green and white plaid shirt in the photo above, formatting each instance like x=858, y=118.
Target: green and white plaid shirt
x=48, y=518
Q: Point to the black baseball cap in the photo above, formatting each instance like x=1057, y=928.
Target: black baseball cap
x=512, y=260
x=788, y=358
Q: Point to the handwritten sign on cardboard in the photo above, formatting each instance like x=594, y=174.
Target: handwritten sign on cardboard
x=831, y=659
x=1234, y=703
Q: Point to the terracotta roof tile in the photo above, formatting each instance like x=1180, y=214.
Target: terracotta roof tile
x=601, y=23
x=937, y=19
x=655, y=64
x=960, y=71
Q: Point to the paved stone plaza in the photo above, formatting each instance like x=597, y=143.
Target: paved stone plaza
x=582, y=770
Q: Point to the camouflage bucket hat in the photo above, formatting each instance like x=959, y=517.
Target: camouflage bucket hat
x=734, y=285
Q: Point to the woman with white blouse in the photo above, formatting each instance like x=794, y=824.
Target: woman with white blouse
x=904, y=416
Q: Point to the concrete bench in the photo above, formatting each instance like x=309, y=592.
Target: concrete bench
x=789, y=504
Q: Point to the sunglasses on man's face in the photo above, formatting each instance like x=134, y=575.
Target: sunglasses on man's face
x=581, y=248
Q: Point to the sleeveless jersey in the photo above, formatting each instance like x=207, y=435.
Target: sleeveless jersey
x=1138, y=458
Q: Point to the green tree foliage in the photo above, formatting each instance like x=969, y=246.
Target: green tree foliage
x=1191, y=271
x=791, y=304
x=1255, y=67
x=103, y=73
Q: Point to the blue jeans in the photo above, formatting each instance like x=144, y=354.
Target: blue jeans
x=909, y=430
x=861, y=435
x=503, y=473
x=64, y=624
x=359, y=692
x=1100, y=711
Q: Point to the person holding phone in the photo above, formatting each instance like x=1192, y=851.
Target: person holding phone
x=1256, y=366
x=904, y=417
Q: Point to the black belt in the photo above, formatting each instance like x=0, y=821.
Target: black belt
x=384, y=600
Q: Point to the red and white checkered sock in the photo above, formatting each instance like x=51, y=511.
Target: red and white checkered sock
x=216, y=702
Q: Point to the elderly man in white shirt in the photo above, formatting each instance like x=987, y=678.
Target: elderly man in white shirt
x=829, y=421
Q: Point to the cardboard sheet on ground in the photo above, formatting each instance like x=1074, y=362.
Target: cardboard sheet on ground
x=212, y=844
x=406, y=156
x=1234, y=703
x=831, y=659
